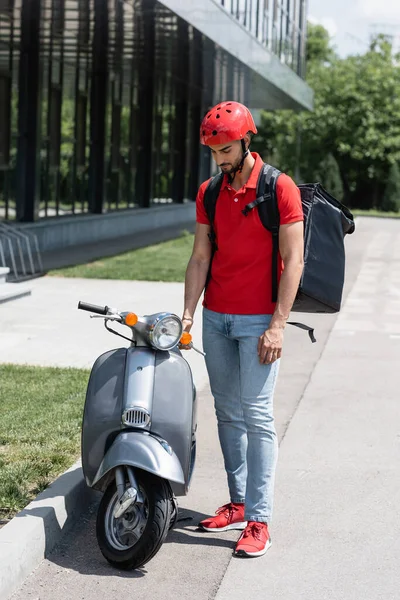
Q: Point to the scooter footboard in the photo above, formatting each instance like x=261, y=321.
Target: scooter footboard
x=143, y=451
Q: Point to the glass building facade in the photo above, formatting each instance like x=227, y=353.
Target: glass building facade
x=101, y=100
x=279, y=25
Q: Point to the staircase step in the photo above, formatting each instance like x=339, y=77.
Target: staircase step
x=11, y=291
x=4, y=271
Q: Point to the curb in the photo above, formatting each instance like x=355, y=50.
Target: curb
x=28, y=538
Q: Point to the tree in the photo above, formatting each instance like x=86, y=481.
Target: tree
x=391, y=198
x=318, y=48
x=356, y=120
x=329, y=175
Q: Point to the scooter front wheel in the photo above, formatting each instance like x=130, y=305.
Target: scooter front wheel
x=131, y=540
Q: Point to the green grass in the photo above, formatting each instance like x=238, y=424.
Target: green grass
x=161, y=262
x=375, y=213
x=41, y=414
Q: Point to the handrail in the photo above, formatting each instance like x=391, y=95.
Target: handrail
x=22, y=249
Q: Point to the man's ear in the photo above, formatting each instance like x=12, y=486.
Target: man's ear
x=247, y=140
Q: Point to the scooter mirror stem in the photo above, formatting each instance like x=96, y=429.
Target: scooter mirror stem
x=197, y=350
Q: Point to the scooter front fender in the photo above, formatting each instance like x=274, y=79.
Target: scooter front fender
x=143, y=451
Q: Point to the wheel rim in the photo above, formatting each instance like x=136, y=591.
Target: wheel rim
x=125, y=532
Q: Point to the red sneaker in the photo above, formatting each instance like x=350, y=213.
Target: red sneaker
x=229, y=516
x=254, y=541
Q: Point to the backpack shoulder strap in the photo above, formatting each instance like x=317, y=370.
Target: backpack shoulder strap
x=267, y=199
x=267, y=203
x=210, y=201
x=211, y=196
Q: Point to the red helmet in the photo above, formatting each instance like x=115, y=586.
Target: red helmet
x=226, y=122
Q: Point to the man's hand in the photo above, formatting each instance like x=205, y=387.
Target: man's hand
x=270, y=346
x=187, y=323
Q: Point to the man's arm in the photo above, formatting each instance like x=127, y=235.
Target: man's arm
x=291, y=248
x=196, y=273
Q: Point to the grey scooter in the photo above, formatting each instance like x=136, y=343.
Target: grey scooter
x=139, y=434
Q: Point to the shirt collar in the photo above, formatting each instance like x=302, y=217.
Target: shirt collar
x=253, y=179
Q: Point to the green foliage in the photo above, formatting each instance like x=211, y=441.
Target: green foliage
x=356, y=120
x=318, y=44
x=67, y=136
x=328, y=173
x=391, y=197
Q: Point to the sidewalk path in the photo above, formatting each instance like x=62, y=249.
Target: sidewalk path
x=336, y=530
x=337, y=523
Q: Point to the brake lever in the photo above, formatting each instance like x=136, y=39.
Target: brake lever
x=107, y=317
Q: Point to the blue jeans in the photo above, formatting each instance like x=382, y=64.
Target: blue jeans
x=243, y=392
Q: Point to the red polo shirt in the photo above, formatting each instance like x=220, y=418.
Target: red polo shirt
x=241, y=279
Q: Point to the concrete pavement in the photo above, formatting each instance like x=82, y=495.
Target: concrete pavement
x=337, y=525
x=336, y=528
x=50, y=330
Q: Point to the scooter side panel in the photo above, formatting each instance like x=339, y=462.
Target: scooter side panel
x=173, y=405
x=103, y=409
x=141, y=450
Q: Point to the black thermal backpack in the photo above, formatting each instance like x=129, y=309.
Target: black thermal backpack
x=326, y=222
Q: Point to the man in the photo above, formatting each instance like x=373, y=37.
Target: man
x=242, y=327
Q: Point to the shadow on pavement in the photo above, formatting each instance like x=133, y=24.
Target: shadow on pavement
x=186, y=531
x=73, y=502
x=78, y=551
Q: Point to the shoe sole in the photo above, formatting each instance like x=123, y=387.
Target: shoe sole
x=244, y=554
x=240, y=526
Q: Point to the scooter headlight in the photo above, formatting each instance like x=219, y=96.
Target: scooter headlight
x=166, y=332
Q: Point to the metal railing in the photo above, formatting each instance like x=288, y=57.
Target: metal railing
x=279, y=25
x=19, y=250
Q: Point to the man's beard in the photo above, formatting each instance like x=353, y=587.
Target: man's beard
x=232, y=169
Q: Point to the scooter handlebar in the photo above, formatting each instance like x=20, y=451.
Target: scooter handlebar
x=99, y=310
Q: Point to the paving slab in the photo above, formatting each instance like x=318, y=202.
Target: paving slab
x=12, y=291
x=336, y=532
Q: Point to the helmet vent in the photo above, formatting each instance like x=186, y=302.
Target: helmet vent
x=208, y=116
x=228, y=111
x=218, y=116
x=215, y=132
x=219, y=108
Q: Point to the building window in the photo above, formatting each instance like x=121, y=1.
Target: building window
x=66, y=60
x=278, y=24
x=5, y=117
x=121, y=146
x=9, y=52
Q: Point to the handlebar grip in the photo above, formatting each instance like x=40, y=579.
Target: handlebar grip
x=99, y=310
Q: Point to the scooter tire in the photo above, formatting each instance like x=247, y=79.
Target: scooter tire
x=158, y=495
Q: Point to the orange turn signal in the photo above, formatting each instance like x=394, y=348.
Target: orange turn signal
x=186, y=338
x=131, y=319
